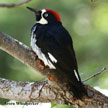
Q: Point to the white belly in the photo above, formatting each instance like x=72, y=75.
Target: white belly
x=38, y=51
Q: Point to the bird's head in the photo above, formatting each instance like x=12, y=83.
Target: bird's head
x=45, y=16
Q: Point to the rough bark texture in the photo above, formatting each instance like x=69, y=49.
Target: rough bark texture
x=42, y=91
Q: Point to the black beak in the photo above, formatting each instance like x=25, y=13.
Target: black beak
x=37, y=13
x=33, y=10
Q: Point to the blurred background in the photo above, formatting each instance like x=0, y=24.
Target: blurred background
x=87, y=23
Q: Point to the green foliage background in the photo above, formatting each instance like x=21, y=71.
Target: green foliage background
x=87, y=23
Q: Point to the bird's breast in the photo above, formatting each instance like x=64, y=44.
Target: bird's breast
x=38, y=51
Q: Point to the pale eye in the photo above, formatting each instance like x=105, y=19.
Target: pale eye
x=45, y=15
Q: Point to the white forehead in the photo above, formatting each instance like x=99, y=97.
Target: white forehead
x=43, y=11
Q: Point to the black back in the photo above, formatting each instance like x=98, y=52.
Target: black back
x=55, y=39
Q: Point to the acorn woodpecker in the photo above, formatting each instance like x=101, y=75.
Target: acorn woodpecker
x=53, y=45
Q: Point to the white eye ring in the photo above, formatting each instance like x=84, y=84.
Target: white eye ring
x=46, y=15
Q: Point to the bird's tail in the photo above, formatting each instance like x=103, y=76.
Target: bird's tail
x=78, y=90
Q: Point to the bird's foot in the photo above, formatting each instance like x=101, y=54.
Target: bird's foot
x=51, y=78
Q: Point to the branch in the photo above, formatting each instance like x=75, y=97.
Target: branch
x=95, y=74
x=42, y=92
x=48, y=92
x=93, y=0
x=27, y=91
x=15, y=4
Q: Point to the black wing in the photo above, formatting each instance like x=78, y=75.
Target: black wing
x=57, y=41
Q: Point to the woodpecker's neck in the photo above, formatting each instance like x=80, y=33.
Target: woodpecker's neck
x=50, y=23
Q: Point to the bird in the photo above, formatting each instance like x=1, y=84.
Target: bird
x=54, y=46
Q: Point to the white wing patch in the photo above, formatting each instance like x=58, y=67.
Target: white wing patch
x=76, y=75
x=51, y=65
x=53, y=59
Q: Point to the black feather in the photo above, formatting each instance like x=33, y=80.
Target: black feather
x=55, y=39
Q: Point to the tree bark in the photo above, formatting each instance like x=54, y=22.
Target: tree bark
x=44, y=91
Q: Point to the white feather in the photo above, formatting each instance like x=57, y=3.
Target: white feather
x=42, y=20
x=76, y=75
x=53, y=59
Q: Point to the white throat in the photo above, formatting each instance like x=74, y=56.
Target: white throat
x=42, y=20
